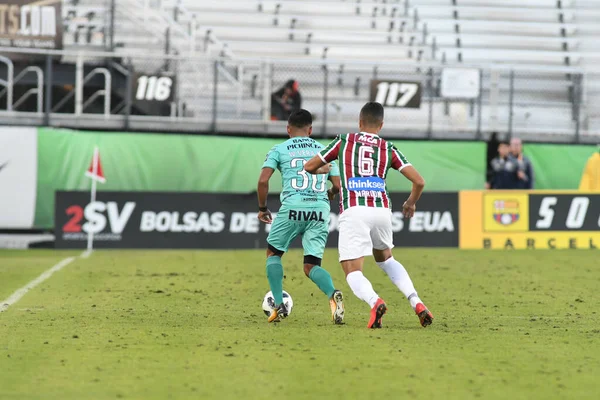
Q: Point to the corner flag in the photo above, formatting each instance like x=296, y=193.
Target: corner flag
x=97, y=175
x=95, y=170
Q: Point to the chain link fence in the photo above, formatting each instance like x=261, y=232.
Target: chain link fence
x=224, y=95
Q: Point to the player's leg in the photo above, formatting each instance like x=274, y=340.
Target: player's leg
x=274, y=271
x=362, y=288
x=354, y=244
x=283, y=231
x=317, y=274
x=382, y=238
x=322, y=278
x=314, y=240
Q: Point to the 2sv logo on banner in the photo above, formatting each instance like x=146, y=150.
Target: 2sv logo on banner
x=100, y=217
x=95, y=220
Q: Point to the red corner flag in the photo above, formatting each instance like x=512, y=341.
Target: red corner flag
x=95, y=169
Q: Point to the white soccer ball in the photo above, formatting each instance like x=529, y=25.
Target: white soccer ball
x=268, y=303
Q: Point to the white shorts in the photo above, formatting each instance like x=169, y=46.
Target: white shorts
x=363, y=229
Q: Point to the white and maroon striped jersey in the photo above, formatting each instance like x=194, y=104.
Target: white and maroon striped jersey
x=364, y=159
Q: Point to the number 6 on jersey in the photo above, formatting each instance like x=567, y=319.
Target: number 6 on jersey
x=365, y=161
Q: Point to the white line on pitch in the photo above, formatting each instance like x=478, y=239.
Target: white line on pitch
x=16, y=296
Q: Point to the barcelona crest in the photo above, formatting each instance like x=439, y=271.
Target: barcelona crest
x=506, y=212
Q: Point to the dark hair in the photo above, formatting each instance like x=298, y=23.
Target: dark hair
x=300, y=119
x=504, y=142
x=372, y=113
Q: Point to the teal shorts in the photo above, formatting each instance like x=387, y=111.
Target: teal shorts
x=311, y=224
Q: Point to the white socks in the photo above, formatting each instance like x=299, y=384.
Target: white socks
x=362, y=288
x=400, y=278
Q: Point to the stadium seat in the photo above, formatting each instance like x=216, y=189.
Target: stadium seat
x=355, y=35
x=85, y=23
x=510, y=41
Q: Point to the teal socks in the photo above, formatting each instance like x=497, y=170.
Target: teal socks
x=275, y=277
x=318, y=275
x=322, y=279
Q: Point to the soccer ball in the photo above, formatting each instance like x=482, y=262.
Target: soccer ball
x=268, y=304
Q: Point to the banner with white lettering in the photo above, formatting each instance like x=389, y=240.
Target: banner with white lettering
x=220, y=221
x=518, y=219
x=31, y=24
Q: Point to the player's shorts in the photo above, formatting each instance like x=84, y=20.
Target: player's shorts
x=363, y=229
x=311, y=224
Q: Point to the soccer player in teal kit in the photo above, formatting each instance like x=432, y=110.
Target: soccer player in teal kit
x=304, y=212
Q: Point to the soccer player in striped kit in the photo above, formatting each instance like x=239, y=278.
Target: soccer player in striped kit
x=365, y=224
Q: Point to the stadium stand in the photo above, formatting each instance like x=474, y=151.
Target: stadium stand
x=538, y=34
x=86, y=23
x=588, y=14
x=537, y=50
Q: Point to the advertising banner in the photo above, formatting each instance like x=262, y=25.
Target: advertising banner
x=214, y=164
x=18, y=177
x=529, y=220
x=219, y=221
x=31, y=24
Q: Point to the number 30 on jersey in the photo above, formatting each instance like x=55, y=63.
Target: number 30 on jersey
x=303, y=179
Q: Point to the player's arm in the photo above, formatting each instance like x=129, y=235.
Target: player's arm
x=262, y=190
x=400, y=163
x=316, y=166
x=319, y=163
x=334, y=178
x=336, y=185
x=418, y=184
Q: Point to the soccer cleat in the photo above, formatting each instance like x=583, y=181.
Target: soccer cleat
x=278, y=313
x=336, y=302
x=377, y=312
x=424, y=315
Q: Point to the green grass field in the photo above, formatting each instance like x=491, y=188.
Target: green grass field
x=188, y=325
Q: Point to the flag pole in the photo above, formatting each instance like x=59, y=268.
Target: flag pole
x=90, y=242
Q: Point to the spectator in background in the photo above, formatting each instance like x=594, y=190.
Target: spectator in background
x=590, y=180
x=525, y=169
x=504, y=169
x=492, y=152
x=285, y=101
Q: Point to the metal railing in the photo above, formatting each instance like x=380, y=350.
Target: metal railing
x=12, y=80
x=235, y=95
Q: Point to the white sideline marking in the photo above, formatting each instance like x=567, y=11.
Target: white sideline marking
x=16, y=296
x=86, y=254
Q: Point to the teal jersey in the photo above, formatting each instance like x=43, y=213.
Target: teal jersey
x=300, y=189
